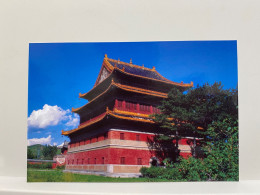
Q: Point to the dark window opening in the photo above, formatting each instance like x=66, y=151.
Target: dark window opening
x=122, y=160
x=122, y=136
x=139, y=161
x=106, y=136
x=137, y=137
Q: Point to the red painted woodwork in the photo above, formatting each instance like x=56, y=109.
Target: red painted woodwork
x=135, y=107
x=54, y=165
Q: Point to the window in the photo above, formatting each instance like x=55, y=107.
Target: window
x=137, y=137
x=144, y=108
x=122, y=136
x=134, y=106
x=82, y=161
x=130, y=106
x=72, y=162
x=120, y=104
x=127, y=105
x=88, y=160
x=122, y=160
x=95, y=161
x=156, y=110
x=103, y=160
x=139, y=161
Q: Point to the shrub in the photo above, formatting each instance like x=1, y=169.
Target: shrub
x=47, y=165
x=161, y=173
x=62, y=167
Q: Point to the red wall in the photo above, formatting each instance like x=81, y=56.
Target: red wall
x=98, y=154
x=127, y=136
x=111, y=156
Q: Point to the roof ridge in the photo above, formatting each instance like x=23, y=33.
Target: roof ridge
x=130, y=64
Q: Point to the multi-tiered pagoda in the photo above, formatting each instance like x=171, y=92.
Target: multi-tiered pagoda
x=115, y=124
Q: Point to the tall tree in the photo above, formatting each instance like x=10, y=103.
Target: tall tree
x=49, y=152
x=193, y=111
x=30, y=154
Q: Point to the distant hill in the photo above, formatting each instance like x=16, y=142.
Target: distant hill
x=39, y=147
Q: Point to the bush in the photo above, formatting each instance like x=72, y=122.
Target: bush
x=62, y=167
x=47, y=165
x=161, y=173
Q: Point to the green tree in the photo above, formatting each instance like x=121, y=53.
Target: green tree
x=30, y=154
x=209, y=112
x=222, y=150
x=191, y=113
x=49, y=152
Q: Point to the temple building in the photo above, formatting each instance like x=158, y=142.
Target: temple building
x=116, y=124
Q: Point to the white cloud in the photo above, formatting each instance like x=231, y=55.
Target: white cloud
x=43, y=141
x=73, y=120
x=54, y=144
x=51, y=116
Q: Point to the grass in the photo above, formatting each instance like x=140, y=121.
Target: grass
x=49, y=175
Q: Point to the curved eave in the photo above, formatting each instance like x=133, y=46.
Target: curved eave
x=111, y=69
x=125, y=88
x=123, y=115
x=119, y=114
x=102, y=116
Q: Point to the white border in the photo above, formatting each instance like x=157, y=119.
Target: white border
x=28, y=21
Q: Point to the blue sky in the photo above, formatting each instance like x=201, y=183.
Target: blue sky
x=58, y=72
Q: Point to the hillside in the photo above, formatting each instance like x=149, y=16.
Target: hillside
x=39, y=147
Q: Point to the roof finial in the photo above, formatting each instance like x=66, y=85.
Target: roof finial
x=130, y=60
x=105, y=56
x=153, y=67
x=181, y=82
x=191, y=83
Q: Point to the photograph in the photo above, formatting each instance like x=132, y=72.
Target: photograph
x=162, y=111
